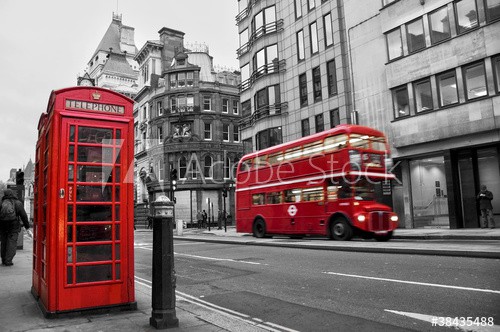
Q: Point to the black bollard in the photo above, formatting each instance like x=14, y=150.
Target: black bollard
x=163, y=290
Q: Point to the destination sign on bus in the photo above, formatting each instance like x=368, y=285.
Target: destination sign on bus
x=91, y=106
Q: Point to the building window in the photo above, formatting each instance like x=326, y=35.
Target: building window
x=394, y=44
x=332, y=78
x=327, y=24
x=303, y=90
x=190, y=78
x=245, y=77
x=225, y=105
x=423, y=95
x=319, y=123
x=496, y=72
x=207, y=103
x=160, y=134
x=334, y=118
x=208, y=171
x=246, y=108
x=161, y=170
x=247, y=145
x=235, y=107
x=415, y=35
x=298, y=8
x=190, y=103
x=207, y=135
x=313, y=32
x=266, y=60
x=244, y=38
x=193, y=169
x=225, y=132
x=466, y=15
x=227, y=167
x=159, y=107
x=439, y=25
x=400, y=102
x=268, y=137
x=182, y=167
x=311, y=4
x=181, y=80
x=300, y=46
x=316, y=84
x=447, y=86
x=173, y=104
x=492, y=10
x=475, y=81
x=236, y=133
x=173, y=81
x=305, y=128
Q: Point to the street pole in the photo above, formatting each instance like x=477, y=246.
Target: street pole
x=225, y=214
x=164, y=280
x=208, y=217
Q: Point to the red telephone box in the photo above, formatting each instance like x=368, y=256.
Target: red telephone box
x=83, y=243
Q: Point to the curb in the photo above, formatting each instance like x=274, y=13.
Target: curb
x=429, y=252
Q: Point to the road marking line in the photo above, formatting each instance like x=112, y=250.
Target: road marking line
x=209, y=258
x=218, y=259
x=416, y=283
x=221, y=310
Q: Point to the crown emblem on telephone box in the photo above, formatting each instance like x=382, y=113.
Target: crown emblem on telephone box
x=96, y=95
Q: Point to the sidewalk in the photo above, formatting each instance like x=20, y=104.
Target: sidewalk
x=479, y=243
x=19, y=310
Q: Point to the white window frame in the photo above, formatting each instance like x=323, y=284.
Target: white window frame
x=205, y=131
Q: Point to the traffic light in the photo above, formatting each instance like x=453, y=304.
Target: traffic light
x=224, y=192
x=19, y=177
x=173, y=179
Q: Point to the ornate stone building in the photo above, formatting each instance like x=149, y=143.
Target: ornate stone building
x=112, y=65
x=186, y=118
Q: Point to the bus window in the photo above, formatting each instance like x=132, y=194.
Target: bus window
x=275, y=158
x=378, y=143
x=258, y=199
x=273, y=198
x=259, y=162
x=344, y=189
x=358, y=141
x=332, y=192
x=292, y=196
x=335, y=142
x=245, y=165
x=312, y=148
x=293, y=153
x=312, y=194
x=364, y=190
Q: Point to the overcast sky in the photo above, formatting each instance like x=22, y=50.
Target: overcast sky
x=45, y=45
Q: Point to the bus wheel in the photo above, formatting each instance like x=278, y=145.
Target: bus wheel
x=384, y=237
x=259, y=228
x=340, y=230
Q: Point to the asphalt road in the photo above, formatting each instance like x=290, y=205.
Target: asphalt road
x=316, y=290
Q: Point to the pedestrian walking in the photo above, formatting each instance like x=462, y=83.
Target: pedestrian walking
x=220, y=216
x=11, y=210
x=485, y=197
x=204, y=217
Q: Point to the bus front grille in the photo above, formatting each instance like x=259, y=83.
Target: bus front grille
x=380, y=221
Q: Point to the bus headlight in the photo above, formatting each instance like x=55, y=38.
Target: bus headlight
x=361, y=218
x=394, y=218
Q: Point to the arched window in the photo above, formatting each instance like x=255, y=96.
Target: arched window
x=208, y=171
x=182, y=167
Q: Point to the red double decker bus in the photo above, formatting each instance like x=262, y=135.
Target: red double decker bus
x=323, y=184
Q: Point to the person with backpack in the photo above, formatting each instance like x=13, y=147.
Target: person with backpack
x=11, y=210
